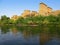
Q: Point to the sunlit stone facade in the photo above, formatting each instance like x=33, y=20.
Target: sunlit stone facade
x=44, y=10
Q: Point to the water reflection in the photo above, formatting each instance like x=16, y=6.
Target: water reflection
x=4, y=29
x=39, y=35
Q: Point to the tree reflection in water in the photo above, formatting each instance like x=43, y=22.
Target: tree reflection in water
x=39, y=34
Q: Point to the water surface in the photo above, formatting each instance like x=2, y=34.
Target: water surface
x=38, y=35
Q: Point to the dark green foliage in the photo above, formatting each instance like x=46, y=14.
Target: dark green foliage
x=4, y=19
x=32, y=20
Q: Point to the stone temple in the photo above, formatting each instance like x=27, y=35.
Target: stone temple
x=43, y=10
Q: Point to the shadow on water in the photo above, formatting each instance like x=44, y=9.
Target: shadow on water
x=30, y=35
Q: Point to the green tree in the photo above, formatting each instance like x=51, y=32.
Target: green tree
x=5, y=19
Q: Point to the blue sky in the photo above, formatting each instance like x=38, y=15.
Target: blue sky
x=16, y=7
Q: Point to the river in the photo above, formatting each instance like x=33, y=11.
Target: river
x=24, y=35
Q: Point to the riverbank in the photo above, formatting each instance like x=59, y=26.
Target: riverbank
x=50, y=24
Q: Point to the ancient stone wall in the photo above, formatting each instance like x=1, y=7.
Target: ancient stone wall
x=49, y=10
x=14, y=17
x=26, y=13
x=44, y=9
x=55, y=13
x=34, y=13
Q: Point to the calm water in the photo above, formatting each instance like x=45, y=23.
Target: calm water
x=39, y=35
